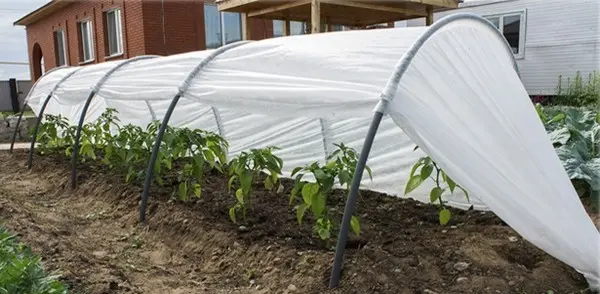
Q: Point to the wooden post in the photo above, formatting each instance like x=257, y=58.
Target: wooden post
x=315, y=16
x=429, y=17
x=246, y=27
x=286, y=28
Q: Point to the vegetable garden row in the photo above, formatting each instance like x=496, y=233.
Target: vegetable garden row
x=575, y=133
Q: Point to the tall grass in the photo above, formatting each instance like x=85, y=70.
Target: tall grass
x=578, y=91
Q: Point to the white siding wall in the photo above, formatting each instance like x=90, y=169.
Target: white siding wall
x=561, y=38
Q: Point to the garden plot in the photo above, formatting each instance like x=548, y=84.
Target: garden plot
x=91, y=235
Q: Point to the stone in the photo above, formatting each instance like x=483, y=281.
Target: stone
x=461, y=280
x=427, y=291
x=513, y=239
x=292, y=288
x=243, y=229
x=461, y=266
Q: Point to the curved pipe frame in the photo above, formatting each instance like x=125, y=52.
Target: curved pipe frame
x=386, y=96
x=14, y=137
x=41, y=116
x=88, y=101
x=182, y=88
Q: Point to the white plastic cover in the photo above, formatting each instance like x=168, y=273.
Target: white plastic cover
x=460, y=99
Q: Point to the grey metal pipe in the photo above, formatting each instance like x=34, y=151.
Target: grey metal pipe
x=387, y=95
x=14, y=137
x=88, y=101
x=182, y=88
x=41, y=114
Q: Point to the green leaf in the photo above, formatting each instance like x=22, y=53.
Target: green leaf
x=268, y=183
x=239, y=195
x=560, y=136
x=355, y=225
x=416, y=166
x=426, y=171
x=232, y=214
x=230, y=182
x=317, y=204
x=297, y=169
x=246, y=181
x=308, y=190
x=320, y=175
x=197, y=190
x=300, y=210
x=451, y=183
x=435, y=194
x=445, y=216
x=413, y=183
x=557, y=118
x=344, y=177
x=369, y=172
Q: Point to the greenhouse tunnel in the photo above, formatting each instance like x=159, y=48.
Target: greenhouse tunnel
x=452, y=89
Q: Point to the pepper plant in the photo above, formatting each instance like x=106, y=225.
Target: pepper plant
x=244, y=169
x=340, y=165
x=428, y=169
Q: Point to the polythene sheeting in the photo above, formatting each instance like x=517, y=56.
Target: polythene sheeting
x=460, y=99
x=475, y=119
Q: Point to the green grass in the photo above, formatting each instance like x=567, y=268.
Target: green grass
x=27, y=113
x=22, y=272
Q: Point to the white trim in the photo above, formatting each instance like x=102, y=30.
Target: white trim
x=64, y=47
x=522, y=27
x=90, y=40
x=118, y=31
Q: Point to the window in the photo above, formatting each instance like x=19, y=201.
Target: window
x=86, y=45
x=512, y=27
x=296, y=28
x=221, y=28
x=114, y=32
x=60, y=45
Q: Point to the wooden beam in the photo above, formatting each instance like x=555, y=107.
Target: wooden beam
x=374, y=7
x=246, y=27
x=437, y=3
x=229, y=4
x=279, y=7
x=429, y=17
x=315, y=16
x=286, y=28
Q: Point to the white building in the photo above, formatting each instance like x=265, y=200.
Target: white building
x=550, y=38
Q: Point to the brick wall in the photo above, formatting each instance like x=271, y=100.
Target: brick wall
x=149, y=27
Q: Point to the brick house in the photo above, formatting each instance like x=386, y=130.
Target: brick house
x=79, y=32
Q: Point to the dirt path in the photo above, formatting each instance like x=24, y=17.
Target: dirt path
x=91, y=235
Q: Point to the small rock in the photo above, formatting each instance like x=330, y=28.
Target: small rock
x=461, y=266
x=513, y=239
x=269, y=247
x=252, y=282
x=235, y=243
x=185, y=221
x=427, y=291
x=453, y=227
x=397, y=270
x=512, y=283
x=461, y=280
x=243, y=229
x=291, y=287
x=444, y=231
x=382, y=279
x=300, y=253
x=276, y=259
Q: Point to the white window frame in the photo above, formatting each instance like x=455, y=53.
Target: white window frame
x=522, y=27
x=119, y=32
x=64, y=48
x=90, y=41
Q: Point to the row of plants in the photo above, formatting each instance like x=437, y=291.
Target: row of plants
x=578, y=91
x=191, y=153
x=575, y=133
x=22, y=272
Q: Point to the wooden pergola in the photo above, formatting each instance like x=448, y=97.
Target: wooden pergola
x=318, y=13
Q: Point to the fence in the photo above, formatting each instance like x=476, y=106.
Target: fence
x=12, y=94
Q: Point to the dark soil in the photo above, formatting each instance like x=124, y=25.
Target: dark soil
x=92, y=236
